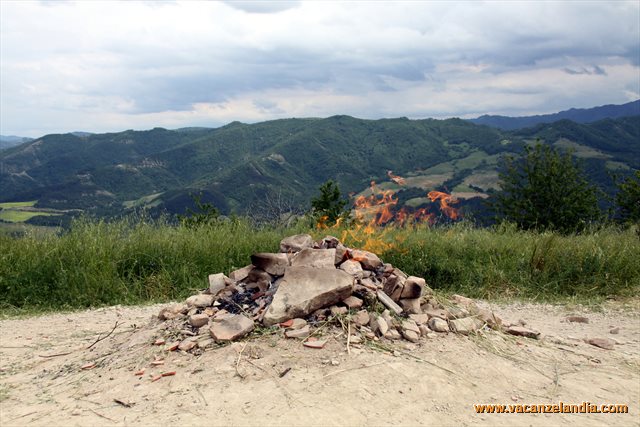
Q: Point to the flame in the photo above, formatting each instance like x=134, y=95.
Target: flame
x=395, y=178
x=445, y=201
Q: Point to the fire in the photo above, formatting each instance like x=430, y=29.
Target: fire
x=376, y=214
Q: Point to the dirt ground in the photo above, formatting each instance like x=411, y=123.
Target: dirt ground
x=273, y=381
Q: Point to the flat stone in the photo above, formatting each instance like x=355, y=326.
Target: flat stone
x=438, y=324
x=413, y=287
x=341, y=253
x=361, y=318
x=200, y=300
x=217, y=282
x=605, y=343
x=187, y=344
x=315, y=344
x=424, y=330
x=352, y=267
x=439, y=313
x=273, y=264
x=339, y=311
x=412, y=336
x=303, y=332
x=393, y=334
x=303, y=290
x=355, y=339
x=369, y=260
x=392, y=283
x=465, y=325
x=410, y=325
x=296, y=243
x=420, y=319
x=204, y=342
x=577, y=319
x=318, y=258
x=241, y=273
x=457, y=312
x=465, y=302
x=172, y=311
x=352, y=302
x=388, y=302
x=386, y=315
x=297, y=323
x=198, y=320
x=411, y=306
x=615, y=330
x=379, y=325
x=489, y=317
x=523, y=332
x=329, y=242
x=231, y=327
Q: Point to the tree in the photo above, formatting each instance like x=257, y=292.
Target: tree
x=330, y=203
x=206, y=214
x=544, y=189
x=628, y=198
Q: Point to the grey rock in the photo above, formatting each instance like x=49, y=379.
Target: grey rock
x=187, y=344
x=273, y=264
x=319, y=258
x=388, y=302
x=411, y=335
x=605, y=343
x=231, y=327
x=361, y=318
x=420, y=319
x=296, y=243
x=465, y=325
x=523, y=332
x=303, y=290
x=369, y=260
x=411, y=306
x=392, y=283
x=410, y=325
x=437, y=324
x=352, y=302
x=172, y=311
x=352, y=267
x=393, y=334
x=217, y=282
x=413, y=287
x=577, y=319
x=200, y=300
x=303, y=332
x=241, y=273
x=198, y=320
x=378, y=325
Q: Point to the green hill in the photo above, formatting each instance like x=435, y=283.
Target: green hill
x=239, y=165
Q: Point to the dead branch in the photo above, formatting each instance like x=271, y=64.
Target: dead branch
x=106, y=336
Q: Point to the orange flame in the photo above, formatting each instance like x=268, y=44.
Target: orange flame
x=445, y=201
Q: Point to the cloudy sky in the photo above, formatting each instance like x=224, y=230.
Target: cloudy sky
x=110, y=66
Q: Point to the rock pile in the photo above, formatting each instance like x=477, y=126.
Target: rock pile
x=309, y=282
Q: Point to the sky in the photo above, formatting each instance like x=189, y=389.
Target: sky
x=103, y=66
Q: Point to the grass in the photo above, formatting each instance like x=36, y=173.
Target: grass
x=9, y=205
x=133, y=262
x=10, y=215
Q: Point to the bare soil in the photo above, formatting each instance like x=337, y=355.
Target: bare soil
x=273, y=381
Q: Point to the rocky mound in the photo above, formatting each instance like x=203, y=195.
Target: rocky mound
x=310, y=283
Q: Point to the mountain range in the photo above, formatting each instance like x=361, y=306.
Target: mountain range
x=243, y=167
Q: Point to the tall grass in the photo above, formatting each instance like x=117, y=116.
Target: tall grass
x=126, y=262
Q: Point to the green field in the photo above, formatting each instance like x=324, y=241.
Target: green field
x=10, y=215
x=129, y=262
x=9, y=205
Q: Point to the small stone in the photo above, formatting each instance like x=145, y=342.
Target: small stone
x=217, y=282
x=187, y=344
x=200, y=300
x=523, y=332
x=361, y=318
x=171, y=312
x=342, y=254
x=369, y=260
x=386, y=315
x=489, y=318
x=614, y=331
x=457, y=313
x=297, y=323
x=410, y=325
x=204, y=343
x=388, y=302
x=231, y=327
x=303, y=332
x=413, y=287
x=173, y=346
x=465, y=302
x=273, y=264
x=605, y=343
x=437, y=324
x=296, y=243
x=411, y=335
x=198, y=320
x=241, y=273
x=355, y=339
x=315, y=344
x=318, y=258
x=439, y=313
x=577, y=319
x=411, y=306
x=353, y=267
x=420, y=319
x=392, y=283
x=352, y=302
x=329, y=242
x=466, y=325
x=339, y=311
x=424, y=330
x=379, y=325
x=393, y=334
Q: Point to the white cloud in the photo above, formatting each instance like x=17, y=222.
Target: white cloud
x=106, y=66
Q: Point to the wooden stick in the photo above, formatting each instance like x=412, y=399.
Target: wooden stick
x=238, y=361
x=349, y=338
x=55, y=355
x=106, y=336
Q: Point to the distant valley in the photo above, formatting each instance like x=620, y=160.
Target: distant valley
x=239, y=166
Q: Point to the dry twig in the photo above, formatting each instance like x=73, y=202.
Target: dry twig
x=106, y=336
